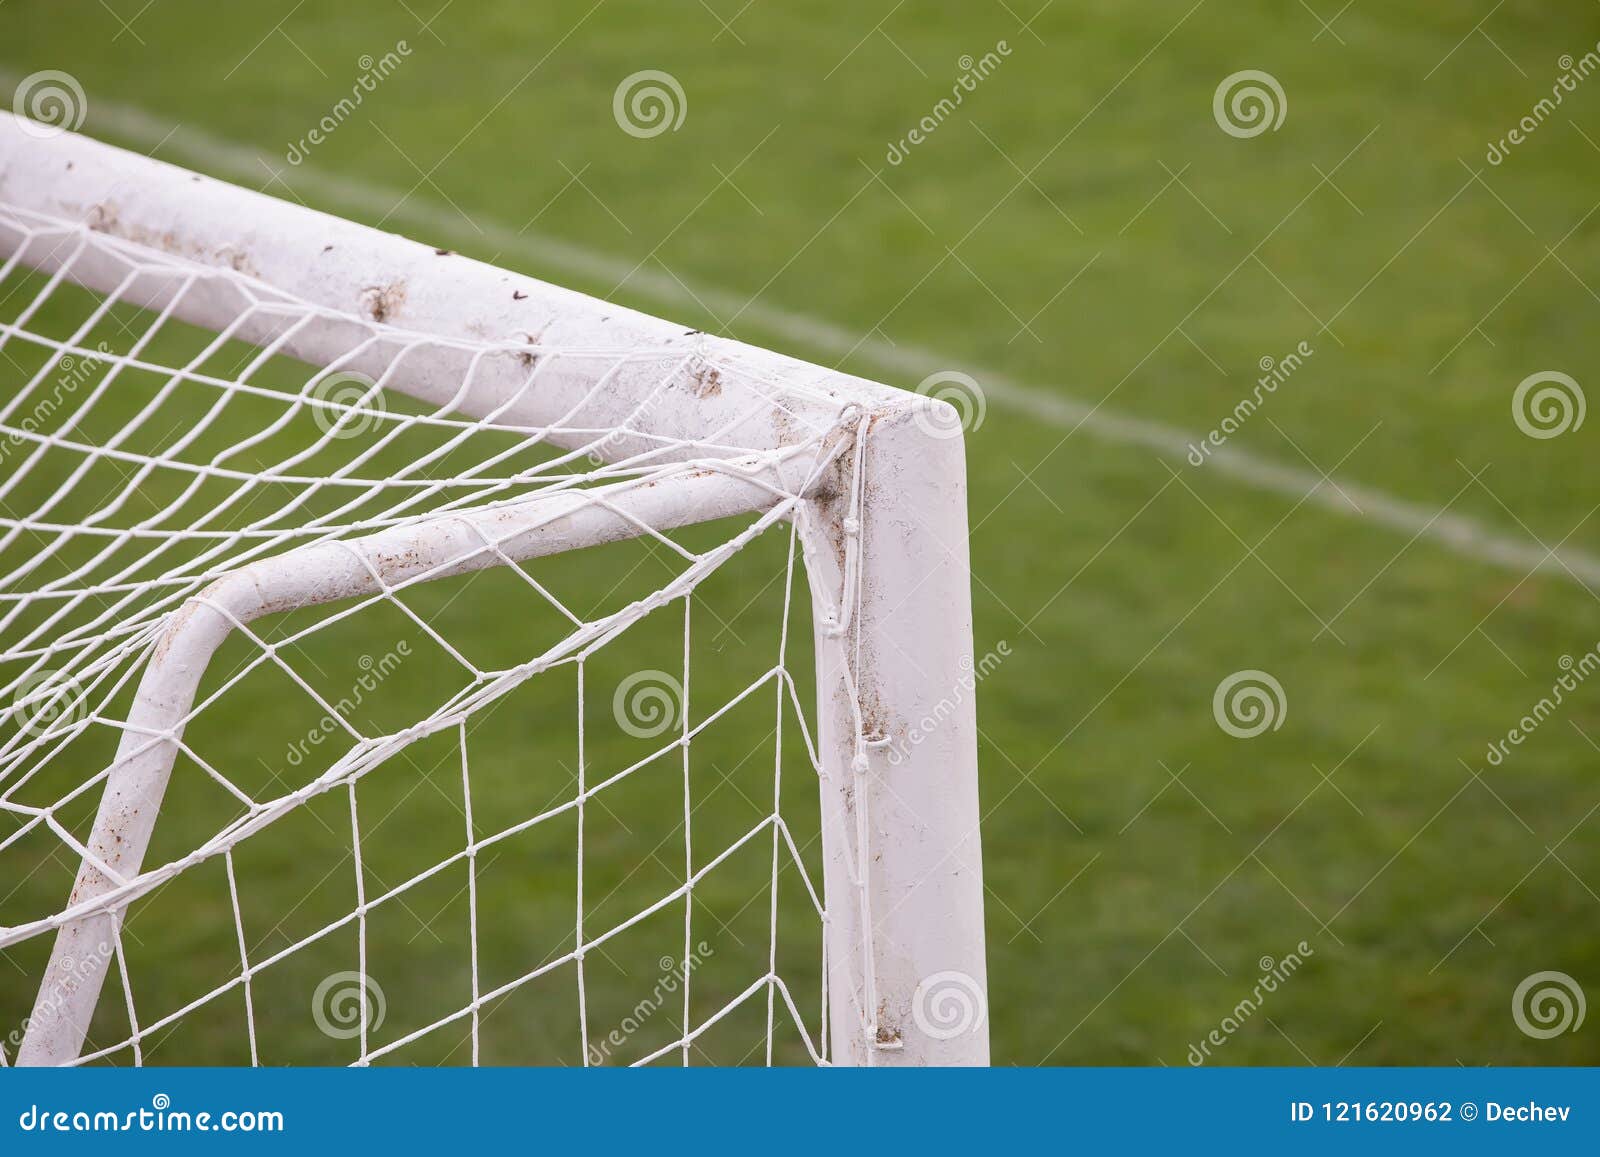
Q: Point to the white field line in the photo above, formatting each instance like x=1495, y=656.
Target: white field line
x=546, y=255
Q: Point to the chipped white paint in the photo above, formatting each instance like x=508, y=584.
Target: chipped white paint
x=884, y=531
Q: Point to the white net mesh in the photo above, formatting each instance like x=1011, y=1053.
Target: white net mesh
x=448, y=791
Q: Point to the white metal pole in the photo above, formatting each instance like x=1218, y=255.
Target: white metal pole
x=359, y=275
x=903, y=865
x=898, y=740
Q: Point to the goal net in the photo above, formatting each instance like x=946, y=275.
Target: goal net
x=402, y=660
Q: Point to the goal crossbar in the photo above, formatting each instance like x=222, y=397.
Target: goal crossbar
x=868, y=476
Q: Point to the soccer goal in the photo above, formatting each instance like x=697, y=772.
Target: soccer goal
x=403, y=660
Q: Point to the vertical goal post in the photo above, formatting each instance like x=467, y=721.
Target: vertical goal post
x=671, y=427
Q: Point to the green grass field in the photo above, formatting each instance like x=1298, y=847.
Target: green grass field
x=1080, y=229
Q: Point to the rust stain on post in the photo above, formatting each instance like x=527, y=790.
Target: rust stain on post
x=382, y=302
